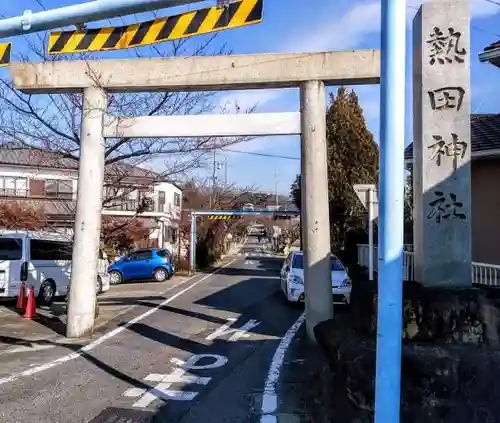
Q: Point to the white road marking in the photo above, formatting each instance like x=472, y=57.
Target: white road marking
x=164, y=381
x=109, y=335
x=190, y=364
x=237, y=333
x=270, y=398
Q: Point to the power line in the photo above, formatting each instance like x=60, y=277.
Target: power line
x=40, y=4
x=493, y=2
x=276, y=156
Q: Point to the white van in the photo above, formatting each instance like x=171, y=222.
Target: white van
x=43, y=261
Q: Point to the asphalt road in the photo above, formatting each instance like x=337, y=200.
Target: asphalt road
x=184, y=362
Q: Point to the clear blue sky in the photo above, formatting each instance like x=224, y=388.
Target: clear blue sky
x=298, y=25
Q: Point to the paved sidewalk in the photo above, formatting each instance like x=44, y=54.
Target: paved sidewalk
x=21, y=335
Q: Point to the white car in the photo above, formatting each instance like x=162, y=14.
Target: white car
x=43, y=261
x=292, y=279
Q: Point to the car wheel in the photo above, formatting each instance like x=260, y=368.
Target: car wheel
x=98, y=288
x=47, y=293
x=160, y=275
x=115, y=277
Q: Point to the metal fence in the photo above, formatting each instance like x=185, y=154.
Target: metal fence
x=482, y=273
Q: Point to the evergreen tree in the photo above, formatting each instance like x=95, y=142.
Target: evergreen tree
x=408, y=209
x=352, y=159
x=295, y=192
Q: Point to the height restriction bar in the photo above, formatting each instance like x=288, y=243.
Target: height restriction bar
x=5, y=53
x=198, y=22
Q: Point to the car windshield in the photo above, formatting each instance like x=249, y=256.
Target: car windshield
x=11, y=248
x=298, y=263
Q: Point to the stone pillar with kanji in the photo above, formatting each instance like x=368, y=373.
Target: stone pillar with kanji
x=441, y=144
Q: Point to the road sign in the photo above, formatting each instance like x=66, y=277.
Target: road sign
x=223, y=217
x=5, y=53
x=367, y=194
x=362, y=191
x=197, y=22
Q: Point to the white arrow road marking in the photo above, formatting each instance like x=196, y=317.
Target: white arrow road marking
x=236, y=333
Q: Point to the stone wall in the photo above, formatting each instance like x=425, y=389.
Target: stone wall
x=450, y=359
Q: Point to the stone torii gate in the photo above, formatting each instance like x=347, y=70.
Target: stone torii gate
x=308, y=71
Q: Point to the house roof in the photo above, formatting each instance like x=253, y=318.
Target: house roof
x=491, y=54
x=19, y=156
x=50, y=207
x=492, y=46
x=485, y=135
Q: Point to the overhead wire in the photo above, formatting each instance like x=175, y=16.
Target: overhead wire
x=252, y=153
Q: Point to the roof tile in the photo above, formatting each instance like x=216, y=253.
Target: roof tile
x=21, y=156
x=485, y=134
x=493, y=46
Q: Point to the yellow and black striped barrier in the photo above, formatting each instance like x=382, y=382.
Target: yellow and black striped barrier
x=223, y=217
x=198, y=22
x=5, y=53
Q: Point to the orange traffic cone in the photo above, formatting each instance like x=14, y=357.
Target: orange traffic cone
x=31, y=306
x=21, y=299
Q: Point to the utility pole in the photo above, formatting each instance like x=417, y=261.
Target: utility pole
x=276, y=199
x=225, y=172
x=214, y=176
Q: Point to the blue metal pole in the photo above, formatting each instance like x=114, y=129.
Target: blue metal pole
x=193, y=244
x=81, y=13
x=390, y=274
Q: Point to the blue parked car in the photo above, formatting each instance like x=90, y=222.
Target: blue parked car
x=146, y=263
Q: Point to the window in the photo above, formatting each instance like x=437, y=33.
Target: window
x=298, y=263
x=59, y=188
x=164, y=253
x=141, y=255
x=161, y=201
x=177, y=199
x=37, y=188
x=11, y=248
x=13, y=186
x=50, y=250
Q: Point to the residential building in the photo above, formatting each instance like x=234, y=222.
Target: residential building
x=45, y=180
x=485, y=177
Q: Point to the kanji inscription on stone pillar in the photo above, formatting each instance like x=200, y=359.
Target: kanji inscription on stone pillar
x=441, y=144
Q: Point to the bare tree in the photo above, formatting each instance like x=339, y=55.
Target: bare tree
x=211, y=233
x=52, y=122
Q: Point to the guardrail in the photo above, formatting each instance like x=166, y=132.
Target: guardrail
x=482, y=273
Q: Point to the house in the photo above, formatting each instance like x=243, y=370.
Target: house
x=45, y=180
x=485, y=180
x=491, y=54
